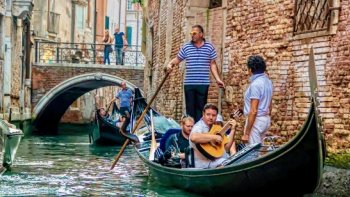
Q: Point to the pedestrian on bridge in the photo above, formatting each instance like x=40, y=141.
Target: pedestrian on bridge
x=120, y=45
x=108, y=41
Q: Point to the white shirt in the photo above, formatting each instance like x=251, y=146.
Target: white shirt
x=200, y=161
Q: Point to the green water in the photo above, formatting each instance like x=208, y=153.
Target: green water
x=67, y=165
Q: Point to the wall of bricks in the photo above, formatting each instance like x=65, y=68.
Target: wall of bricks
x=261, y=27
x=257, y=27
x=336, y=84
x=169, y=100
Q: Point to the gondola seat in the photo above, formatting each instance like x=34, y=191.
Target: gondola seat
x=166, y=136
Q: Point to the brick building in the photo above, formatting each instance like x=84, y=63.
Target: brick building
x=279, y=30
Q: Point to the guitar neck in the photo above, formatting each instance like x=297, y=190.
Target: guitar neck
x=225, y=128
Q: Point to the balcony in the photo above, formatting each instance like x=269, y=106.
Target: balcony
x=85, y=53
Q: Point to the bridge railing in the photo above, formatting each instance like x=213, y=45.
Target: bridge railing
x=84, y=53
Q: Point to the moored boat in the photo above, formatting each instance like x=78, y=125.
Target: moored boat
x=106, y=133
x=9, y=142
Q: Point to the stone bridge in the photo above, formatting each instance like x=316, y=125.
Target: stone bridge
x=56, y=86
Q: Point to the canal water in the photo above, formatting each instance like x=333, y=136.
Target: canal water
x=67, y=165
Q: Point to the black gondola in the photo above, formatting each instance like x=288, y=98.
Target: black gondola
x=292, y=169
x=106, y=133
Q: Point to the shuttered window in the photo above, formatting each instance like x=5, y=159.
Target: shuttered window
x=314, y=15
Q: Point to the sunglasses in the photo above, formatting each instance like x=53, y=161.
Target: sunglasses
x=185, y=116
x=193, y=33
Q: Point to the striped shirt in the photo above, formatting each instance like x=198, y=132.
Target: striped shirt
x=197, y=62
x=260, y=88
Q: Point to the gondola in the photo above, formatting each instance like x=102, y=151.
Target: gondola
x=292, y=169
x=105, y=133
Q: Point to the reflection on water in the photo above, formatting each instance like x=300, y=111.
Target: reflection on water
x=68, y=165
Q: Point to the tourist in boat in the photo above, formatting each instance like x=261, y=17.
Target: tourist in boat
x=179, y=141
x=257, y=101
x=200, y=57
x=199, y=135
x=103, y=113
x=120, y=121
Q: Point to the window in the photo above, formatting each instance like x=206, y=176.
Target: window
x=1, y=37
x=129, y=34
x=53, y=22
x=215, y=3
x=129, y=5
x=53, y=19
x=79, y=17
x=88, y=20
x=313, y=15
x=107, y=22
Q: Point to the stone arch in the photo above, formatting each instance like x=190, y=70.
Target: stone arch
x=51, y=107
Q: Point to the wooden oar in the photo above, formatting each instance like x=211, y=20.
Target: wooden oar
x=153, y=142
x=139, y=120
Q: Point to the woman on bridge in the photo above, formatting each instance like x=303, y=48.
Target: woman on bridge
x=107, y=40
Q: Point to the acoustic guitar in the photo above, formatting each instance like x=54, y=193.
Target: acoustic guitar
x=212, y=150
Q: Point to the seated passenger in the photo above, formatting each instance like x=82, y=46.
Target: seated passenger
x=199, y=135
x=103, y=113
x=179, y=141
x=120, y=121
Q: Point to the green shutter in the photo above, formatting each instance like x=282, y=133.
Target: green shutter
x=129, y=34
x=107, y=22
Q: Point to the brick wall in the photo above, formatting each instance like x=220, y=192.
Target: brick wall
x=336, y=84
x=260, y=27
x=265, y=28
x=169, y=99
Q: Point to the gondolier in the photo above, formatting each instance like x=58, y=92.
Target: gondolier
x=125, y=96
x=200, y=60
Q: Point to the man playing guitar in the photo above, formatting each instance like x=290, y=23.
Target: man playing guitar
x=206, y=144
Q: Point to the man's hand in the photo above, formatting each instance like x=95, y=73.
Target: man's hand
x=233, y=123
x=169, y=67
x=220, y=83
x=245, y=138
x=182, y=155
x=217, y=139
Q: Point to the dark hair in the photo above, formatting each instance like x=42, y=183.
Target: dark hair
x=210, y=106
x=257, y=64
x=199, y=27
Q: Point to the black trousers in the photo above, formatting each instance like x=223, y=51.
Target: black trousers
x=196, y=97
x=123, y=109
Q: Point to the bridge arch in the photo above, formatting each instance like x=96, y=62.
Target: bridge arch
x=51, y=107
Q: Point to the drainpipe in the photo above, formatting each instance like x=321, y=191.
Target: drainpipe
x=120, y=10
x=7, y=61
x=137, y=33
x=224, y=5
x=95, y=26
x=73, y=22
